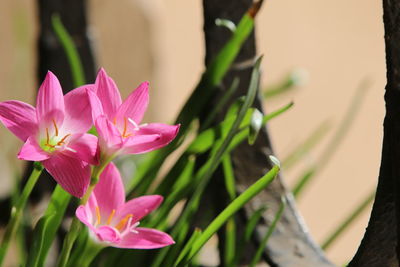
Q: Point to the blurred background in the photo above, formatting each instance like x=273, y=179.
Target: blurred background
x=335, y=44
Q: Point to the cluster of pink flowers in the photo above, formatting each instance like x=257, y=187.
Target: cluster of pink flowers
x=55, y=133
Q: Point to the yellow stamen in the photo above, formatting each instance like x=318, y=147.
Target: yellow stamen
x=110, y=217
x=115, y=121
x=62, y=140
x=47, y=136
x=125, y=128
x=98, y=215
x=55, y=127
x=122, y=223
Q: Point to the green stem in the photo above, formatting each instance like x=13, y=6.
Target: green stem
x=75, y=225
x=232, y=208
x=16, y=211
x=90, y=252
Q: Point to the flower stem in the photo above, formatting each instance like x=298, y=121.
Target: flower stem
x=90, y=251
x=16, y=211
x=75, y=225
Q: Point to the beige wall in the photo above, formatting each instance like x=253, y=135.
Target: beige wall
x=338, y=42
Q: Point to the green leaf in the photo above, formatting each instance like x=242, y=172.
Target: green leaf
x=203, y=176
x=291, y=81
x=206, y=139
x=18, y=209
x=232, y=208
x=306, y=146
x=39, y=240
x=211, y=78
x=47, y=227
x=67, y=43
x=186, y=248
x=268, y=234
x=354, y=214
x=248, y=231
x=221, y=103
x=337, y=138
x=230, y=227
x=179, y=189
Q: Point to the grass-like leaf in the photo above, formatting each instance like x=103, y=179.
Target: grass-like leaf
x=211, y=78
x=353, y=215
x=337, y=138
x=66, y=41
x=306, y=146
x=289, y=83
x=232, y=208
x=248, y=231
x=47, y=226
x=268, y=234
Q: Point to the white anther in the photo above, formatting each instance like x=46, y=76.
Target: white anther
x=134, y=124
x=70, y=149
x=132, y=228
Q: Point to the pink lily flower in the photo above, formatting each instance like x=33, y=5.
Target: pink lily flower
x=55, y=133
x=113, y=222
x=118, y=123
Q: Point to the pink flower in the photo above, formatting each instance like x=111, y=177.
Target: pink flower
x=114, y=222
x=55, y=133
x=118, y=123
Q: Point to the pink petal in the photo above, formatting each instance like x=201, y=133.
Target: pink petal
x=84, y=147
x=78, y=112
x=139, y=207
x=91, y=208
x=140, y=143
x=32, y=151
x=96, y=106
x=135, y=105
x=166, y=132
x=108, y=234
x=19, y=118
x=82, y=214
x=110, y=139
x=145, y=238
x=50, y=101
x=109, y=192
x=73, y=175
x=108, y=93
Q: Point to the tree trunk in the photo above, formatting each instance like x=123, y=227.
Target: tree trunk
x=290, y=245
x=51, y=54
x=380, y=245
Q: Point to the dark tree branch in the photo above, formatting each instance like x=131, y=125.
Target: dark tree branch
x=380, y=245
x=290, y=245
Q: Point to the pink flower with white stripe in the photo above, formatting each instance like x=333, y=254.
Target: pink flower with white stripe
x=55, y=133
x=113, y=222
x=119, y=123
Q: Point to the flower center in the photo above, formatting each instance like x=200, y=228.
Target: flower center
x=124, y=226
x=55, y=141
x=125, y=133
